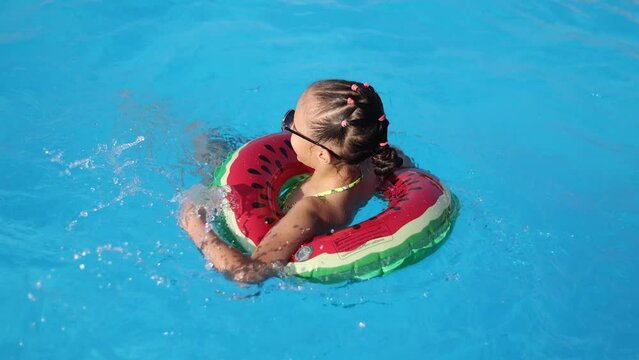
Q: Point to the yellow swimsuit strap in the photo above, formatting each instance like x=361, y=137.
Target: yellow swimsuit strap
x=341, y=188
x=300, y=179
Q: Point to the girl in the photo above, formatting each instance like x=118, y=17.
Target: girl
x=339, y=129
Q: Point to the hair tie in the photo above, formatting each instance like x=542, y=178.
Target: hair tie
x=354, y=87
x=366, y=85
x=382, y=118
x=344, y=123
x=350, y=101
x=383, y=144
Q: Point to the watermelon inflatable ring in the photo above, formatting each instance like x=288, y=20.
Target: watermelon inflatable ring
x=420, y=214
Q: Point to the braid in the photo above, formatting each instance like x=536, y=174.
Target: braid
x=352, y=115
x=386, y=158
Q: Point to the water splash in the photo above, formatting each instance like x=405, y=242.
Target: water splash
x=118, y=149
x=212, y=199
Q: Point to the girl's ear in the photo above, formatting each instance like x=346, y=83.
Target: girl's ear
x=324, y=157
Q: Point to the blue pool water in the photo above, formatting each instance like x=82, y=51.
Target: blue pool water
x=527, y=110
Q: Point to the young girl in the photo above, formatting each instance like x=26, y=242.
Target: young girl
x=339, y=129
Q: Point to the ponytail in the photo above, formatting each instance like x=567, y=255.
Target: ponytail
x=386, y=161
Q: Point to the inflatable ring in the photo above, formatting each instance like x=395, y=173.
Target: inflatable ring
x=420, y=214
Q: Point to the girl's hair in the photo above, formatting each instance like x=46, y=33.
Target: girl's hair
x=352, y=115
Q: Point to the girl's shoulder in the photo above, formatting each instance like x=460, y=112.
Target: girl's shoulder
x=310, y=209
x=324, y=213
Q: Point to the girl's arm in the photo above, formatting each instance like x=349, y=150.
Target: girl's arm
x=275, y=249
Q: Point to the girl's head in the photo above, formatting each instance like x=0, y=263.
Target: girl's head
x=346, y=120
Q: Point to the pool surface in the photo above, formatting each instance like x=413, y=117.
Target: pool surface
x=528, y=111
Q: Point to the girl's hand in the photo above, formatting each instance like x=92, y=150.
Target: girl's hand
x=193, y=221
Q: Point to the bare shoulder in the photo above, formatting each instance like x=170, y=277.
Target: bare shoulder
x=298, y=226
x=306, y=207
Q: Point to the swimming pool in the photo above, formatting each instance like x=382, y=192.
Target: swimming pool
x=526, y=110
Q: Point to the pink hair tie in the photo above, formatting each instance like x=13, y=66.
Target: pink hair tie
x=354, y=87
x=366, y=85
x=382, y=118
x=350, y=101
x=344, y=123
x=383, y=144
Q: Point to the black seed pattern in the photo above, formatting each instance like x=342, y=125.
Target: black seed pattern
x=263, y=197
x=269, y=148
x=253, y=171
x=257, y=186
x=356, y=226
x=396, y=208
x=278, y=164
x=264, y=158
x=266, y=169
x=258, y=205
x=288, y=143
x=415, y=188
x=269, y=220
x=283, y=151
x=269, y=185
